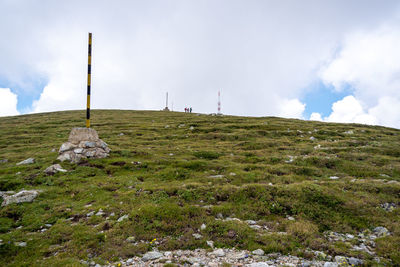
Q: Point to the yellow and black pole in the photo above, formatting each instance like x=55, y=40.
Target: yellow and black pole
x=88, y=81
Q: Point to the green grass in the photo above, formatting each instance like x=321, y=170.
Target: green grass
x=162, y=177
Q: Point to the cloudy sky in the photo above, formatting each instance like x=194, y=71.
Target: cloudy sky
x=322, y=60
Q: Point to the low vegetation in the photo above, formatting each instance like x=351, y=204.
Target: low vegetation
x=172, y=172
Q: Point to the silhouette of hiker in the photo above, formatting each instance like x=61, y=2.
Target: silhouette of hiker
x=190, y=110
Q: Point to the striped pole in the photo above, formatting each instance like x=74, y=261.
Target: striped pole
x=88, y=81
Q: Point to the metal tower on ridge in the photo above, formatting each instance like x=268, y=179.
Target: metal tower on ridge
x=166, y=104
x=219, y=102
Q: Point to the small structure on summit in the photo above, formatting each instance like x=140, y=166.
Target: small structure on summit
x=166, y=104
x=83, y=143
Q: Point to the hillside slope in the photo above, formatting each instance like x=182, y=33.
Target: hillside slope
x=304, y=184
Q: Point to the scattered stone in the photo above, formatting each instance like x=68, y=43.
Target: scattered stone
x=120, y=219
x=83, y=143
x=152, y=255
x=131, y=239
x=203, y=227
x=290, y=160
x=388, y=206
x=355, y=261
x=341, y=260
x=166, y=126
x=20, y=244
x=216, y=176
x=90, y=214
x=331, y=264
x=20, y=197
x=258, y=252
x=121, y=134
x=258, y=264
x=219, y=252
x=232, y=174
x=3, y=160
x=255, y=227
x=100, y=213
x=312, y=138
x=53, y=169
x=290, y=218
x=27, y=161
x=349, y=132
x=381, y=231
x=333, y=177
x=210, y=244
x=384, y=175
x=251, y=222
x=197, y=236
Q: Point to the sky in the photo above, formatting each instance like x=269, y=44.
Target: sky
x=334, y=61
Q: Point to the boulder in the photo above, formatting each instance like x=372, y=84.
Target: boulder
x=83, y=143
x=27, y=161
x=53, y=169
x=22, y=196
x=152, y=255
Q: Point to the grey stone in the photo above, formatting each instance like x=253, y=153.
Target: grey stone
x=54, y=169
x=331, y=264
x=203, y=227
x=22, y=196
x=27, y=161
x=100, y=213
x=258, y=252
x=219, y=252
x=79, y=134
x=197, y=236
x=381, y=231
x=131, y=239
x=312, y=138
x=20, y=244
x=152, y=255
x=66, y=146
x=355, y=261
x=258, y=264
x=78, y=150
x=120, y=219
x=3, y=160
x=251, y=222
x=216, y=176
x=90, y=214
x=333, y=177
x=210, y=244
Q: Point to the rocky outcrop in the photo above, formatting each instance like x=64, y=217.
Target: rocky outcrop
x=83, y=143
x=22, y=196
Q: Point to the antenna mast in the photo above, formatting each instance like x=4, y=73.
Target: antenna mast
x=219, y=102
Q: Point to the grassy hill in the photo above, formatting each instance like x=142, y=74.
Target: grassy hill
x=171, y=172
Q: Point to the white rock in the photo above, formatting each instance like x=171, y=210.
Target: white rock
x=152, y=255
x=331, y=264
x=197, y=236
x=333, y=177
x=120, y=219
x=290, y=218
x=258, y=264
x=203, y=226
x=27, y=161
x=22, y=196
x=258, y=252
x=210, y=243
x=219, y=252
x=20, y=244
x=251, y=222
x=312, y=138
x=54, y=169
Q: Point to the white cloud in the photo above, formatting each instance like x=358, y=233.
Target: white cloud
x=8, y=102
x=368, y=62
x=349, y=109
x=262, y=54
x=315, y=116
x=291, y=108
